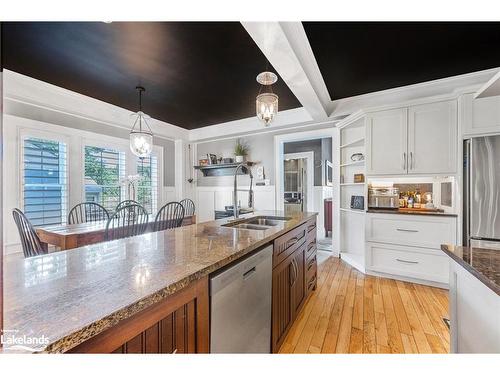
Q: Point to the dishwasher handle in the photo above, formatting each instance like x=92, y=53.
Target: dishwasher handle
x=249, y=273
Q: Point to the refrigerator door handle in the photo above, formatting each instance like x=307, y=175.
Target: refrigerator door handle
x=466, y=192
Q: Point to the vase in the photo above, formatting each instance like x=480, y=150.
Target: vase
x=239, y=158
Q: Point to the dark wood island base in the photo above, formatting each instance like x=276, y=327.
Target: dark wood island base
x=177, y=324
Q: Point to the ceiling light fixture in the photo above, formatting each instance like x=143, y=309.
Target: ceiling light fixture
x=266, y=102
x=141, y=140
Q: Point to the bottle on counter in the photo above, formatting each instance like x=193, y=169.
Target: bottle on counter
x=401, y=200
x=410, y=200
x=418, y=200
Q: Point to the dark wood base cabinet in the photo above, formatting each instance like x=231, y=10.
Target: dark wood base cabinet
x=294, y=277
x=177, y=324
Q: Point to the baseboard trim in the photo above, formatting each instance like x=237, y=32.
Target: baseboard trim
x=408, y=279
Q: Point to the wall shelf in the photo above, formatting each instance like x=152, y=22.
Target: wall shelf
x=357, y=142
x=352, y=184
x=359, y=162
x=224, y=169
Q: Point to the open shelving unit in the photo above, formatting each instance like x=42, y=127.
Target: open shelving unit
x=351, y=228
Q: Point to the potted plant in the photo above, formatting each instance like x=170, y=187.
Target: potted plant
x=240, y=151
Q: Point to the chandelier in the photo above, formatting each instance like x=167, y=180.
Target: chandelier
x=141, y=138
x=266, y=102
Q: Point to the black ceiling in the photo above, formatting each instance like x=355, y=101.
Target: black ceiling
x=195, y=73
x=361, y=57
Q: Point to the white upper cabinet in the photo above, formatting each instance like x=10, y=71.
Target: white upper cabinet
x=386, y=146
x=480, y=116
x=420, y=139
x=432, y=138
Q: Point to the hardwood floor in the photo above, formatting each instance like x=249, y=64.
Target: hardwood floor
x=355, y=313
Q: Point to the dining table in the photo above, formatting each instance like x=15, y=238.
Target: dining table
x=70, y=236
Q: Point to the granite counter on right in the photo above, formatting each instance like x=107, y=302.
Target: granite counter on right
x=474, y=299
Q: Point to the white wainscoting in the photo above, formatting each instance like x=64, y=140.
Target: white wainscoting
x=168, y=194
x=320, y=194
x=211, y=198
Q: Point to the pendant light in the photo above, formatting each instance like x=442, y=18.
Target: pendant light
x=141, y=138
x=266, y=101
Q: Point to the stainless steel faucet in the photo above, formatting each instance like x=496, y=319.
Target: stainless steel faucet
x=236, y=213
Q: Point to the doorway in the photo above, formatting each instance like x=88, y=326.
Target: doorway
x=304, y=178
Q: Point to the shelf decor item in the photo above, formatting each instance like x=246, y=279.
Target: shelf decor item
x=240, y=151
x=203, y=162
x=359, y=177
x=212, y=159
x=141, y=139
x=357, y=156
x=266, y=103
x=357, y=202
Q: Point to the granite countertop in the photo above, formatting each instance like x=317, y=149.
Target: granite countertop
x=71, y=296
x=484, y=264
x=404, y=212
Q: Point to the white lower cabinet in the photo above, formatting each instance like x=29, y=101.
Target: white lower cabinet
x=408, y=246
x=474, y=313
x=414, y=262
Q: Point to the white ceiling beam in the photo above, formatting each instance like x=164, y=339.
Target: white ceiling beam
x=287, y=49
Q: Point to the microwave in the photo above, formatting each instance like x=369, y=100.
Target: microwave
x=383, y=197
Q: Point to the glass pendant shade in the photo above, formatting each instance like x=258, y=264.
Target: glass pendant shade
x=141, y=143
x=267, y=107
x=266, y=103
x=141, y=139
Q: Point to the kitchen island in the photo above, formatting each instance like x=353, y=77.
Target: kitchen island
x=147, y=293
x=474, y=299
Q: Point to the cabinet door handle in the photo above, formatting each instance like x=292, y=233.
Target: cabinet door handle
x=407, y=230
x=411, y=159
x=404, y=160
x=295, y=272
x=311, y=245
x=292, y=241
x=311, y=263
x=292, y=274
x=311, y=282
x=311, y=227
x=406, y=261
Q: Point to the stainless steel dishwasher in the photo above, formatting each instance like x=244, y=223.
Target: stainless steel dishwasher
x=240, y=306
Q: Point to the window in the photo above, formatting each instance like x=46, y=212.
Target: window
x=147, y=188
x=104, y=168
x=44, y=181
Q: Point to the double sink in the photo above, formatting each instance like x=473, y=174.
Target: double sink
x=258, y=222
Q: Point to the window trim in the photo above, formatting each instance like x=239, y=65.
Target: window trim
x=26, y=133
x=154, y=154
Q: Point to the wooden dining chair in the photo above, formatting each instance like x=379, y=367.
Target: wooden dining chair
x=32, y=246
x=169, y=216
x=87, y=212
x=128, y=221
x=188, y=205
x=124, y=203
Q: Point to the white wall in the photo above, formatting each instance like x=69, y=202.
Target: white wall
x=15, y=128
x=211, y=198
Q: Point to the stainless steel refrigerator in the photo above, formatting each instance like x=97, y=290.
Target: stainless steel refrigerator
x=482, y=192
